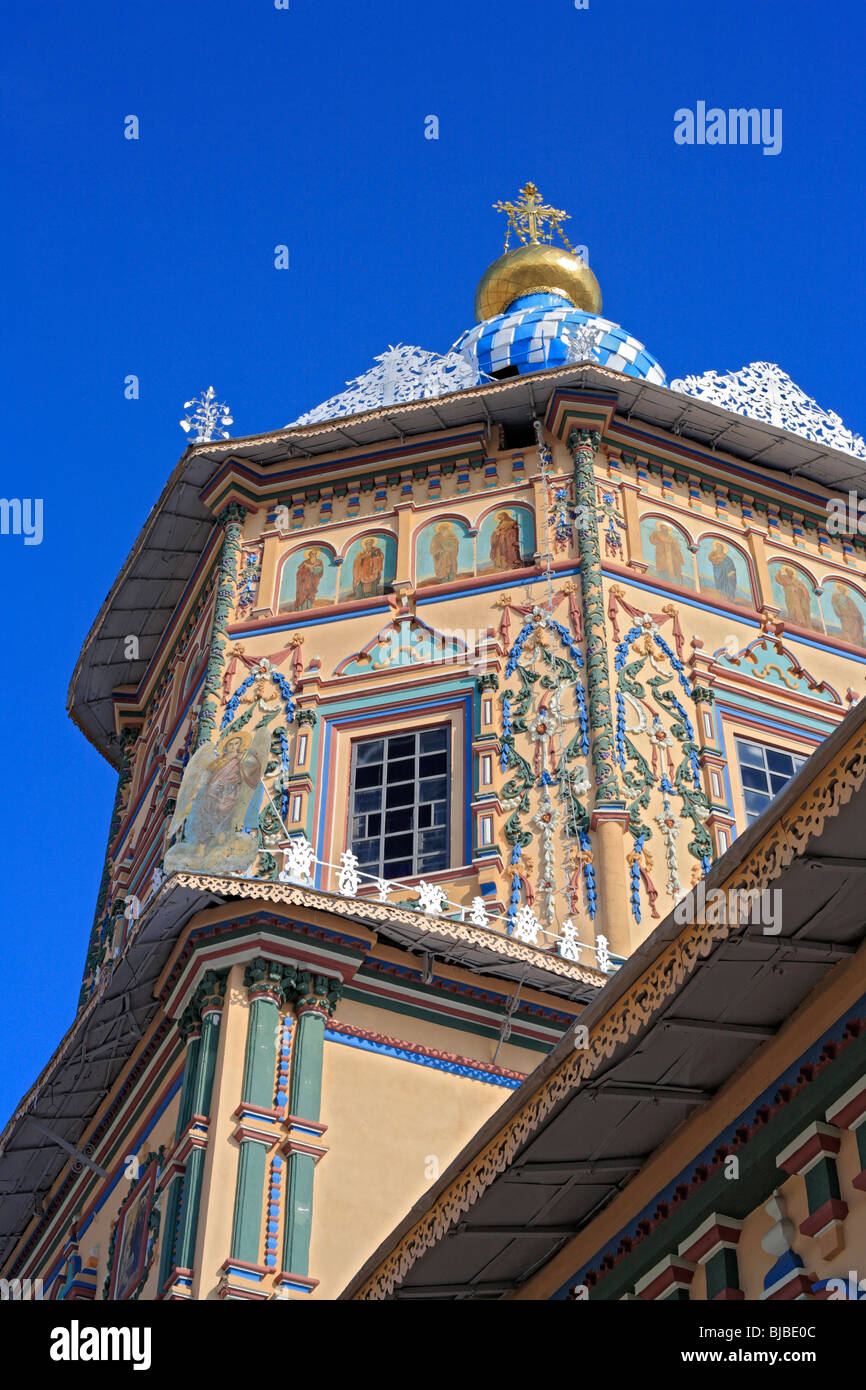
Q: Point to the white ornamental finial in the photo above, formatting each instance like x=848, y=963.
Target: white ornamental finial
x=208, y=419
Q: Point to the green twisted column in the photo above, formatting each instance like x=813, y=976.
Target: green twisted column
x=231, y=520
x=584, y=446
x=608, y=818
x=127, y=743
x=267, y=983
x=208, y=1004
x=317, y=998
x=189, y=1027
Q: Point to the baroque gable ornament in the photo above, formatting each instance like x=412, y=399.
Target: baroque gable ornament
x=762, y=391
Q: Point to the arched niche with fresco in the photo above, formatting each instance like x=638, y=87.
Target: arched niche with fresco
x=796, y=595
x=724, y=571
x=843, y=606
x=506, y=540
x=368, y=566
x=444, y=552
x=308, y=579
x=667, y=550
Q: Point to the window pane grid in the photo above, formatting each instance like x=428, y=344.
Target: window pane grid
x=764, y=772
x=399, y=804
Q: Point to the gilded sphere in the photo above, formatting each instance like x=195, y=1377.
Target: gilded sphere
x=536, y=268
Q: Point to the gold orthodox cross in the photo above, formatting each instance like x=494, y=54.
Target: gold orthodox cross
x=529, y=217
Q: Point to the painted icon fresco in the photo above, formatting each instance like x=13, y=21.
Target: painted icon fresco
x=723, y=570
x=308, y=580
x=666, y=551
x=794, y=592
x=368, y=567
x=844, y=610
x=506, y=540
x=132, y=1239
x=216, y=815
x=444, y=551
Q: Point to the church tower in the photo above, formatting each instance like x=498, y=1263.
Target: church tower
x=448, y=691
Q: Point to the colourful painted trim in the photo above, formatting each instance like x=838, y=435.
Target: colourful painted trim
x=423, y=1056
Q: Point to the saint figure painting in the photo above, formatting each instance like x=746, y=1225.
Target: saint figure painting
x=214, y=803
x=367, y=569
x=505, y=543
x=444, y=545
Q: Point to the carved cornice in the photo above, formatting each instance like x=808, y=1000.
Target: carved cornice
x=382, y=914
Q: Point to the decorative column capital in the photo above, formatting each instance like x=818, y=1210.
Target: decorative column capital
x=232, y=515
x=307, y=716
x=583, y=438
x=489, y=681
x=703, y=694
x=317, y=994
x=189, y=1023
x=210, y=993
x=269, y=979
x=128, y=736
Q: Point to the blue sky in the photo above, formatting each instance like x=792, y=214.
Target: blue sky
x=305, y=127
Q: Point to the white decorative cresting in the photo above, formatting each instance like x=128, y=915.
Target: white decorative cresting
x=403, y=373
x=477, y=914
x=762, y=391
x=581, y=339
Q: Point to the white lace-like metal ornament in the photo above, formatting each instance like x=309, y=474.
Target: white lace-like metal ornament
x=477, y=914
x=527, y=926
x=762, y=391
x=602, y=953
x=348, y=879
x=569, y=946
x=403, y=373
x=208, y=419
x=430, y=898
x=300, y=857
x=581, y=340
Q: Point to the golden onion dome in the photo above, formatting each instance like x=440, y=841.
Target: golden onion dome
x=538, y=268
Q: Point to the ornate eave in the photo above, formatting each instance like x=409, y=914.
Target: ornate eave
x=168, y=549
